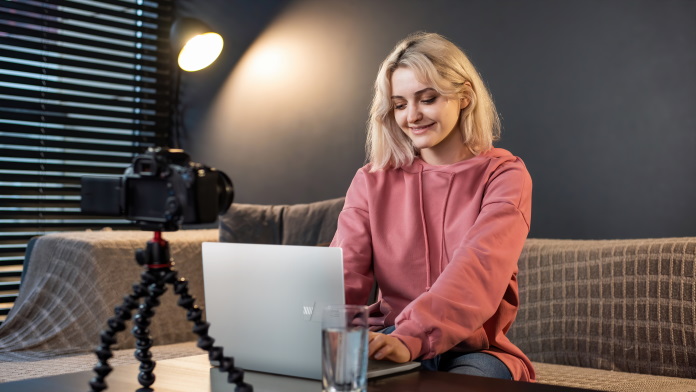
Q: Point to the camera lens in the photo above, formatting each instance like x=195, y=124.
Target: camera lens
x=225, y=192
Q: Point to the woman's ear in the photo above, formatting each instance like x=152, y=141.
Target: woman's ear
x=465, y=101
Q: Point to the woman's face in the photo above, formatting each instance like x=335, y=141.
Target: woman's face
x=429, y=119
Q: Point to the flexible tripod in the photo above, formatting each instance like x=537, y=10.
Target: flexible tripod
x=156, y=259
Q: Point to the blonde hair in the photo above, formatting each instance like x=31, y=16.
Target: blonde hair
x=445, y=67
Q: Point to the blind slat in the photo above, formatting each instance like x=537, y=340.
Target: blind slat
x=91, y=45
x=81, y=135
x=56, y=155
x=106, y=92
x=50, y=178
x=34, y=205
x=42, y=56
x=42, y=94
x=18, y=191
x=124, y=21
x=16, y=252
x=50, y=215
x=20, y=240
x=163, y=9
x=110, y=142
x=89, y=56
x=71, y=109
x=47, y=71
x=43, y=20
x=71, y=120
x=51, y=167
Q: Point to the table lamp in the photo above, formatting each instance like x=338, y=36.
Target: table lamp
x=196, y=44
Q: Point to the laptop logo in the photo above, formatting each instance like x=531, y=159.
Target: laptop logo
x=307, y=311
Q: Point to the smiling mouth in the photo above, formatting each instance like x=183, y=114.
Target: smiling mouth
x=417, y=130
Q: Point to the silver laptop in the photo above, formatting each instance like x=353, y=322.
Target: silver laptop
x=265, y=302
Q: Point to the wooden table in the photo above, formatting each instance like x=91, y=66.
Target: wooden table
x=193, y=374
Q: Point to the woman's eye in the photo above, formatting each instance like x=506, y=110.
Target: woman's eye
x=399, y=106
x=429, y=101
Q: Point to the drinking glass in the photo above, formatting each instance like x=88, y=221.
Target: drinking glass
x=344, y=348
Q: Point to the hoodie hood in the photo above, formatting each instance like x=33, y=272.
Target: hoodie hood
x=419, y=164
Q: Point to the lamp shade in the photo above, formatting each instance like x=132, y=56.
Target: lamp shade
x=194, y=43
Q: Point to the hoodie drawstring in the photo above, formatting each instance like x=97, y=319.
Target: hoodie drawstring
x=443, y=245
x=425, y=230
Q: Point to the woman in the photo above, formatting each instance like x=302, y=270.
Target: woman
x=438, y=217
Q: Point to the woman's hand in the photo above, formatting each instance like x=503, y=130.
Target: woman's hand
x=382, y=346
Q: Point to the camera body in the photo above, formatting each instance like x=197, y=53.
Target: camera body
x=161, y=190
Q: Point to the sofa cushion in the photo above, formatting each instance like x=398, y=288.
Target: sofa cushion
x=297, y=224
x=251, y=224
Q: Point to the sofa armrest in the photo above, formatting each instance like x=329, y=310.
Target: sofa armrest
x=75, y=279
x=624, y=305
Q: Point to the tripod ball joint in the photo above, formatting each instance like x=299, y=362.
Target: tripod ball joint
x=103, y=352
x=146, y=379
x=181, y=286
x=170, y=277
x=138, y=292
x=143, y=355
x=186, y=302
x=205, y=342
x=122, y=312
x=97, y=384
x=116, y=324
x=194, y=314
x=142, y=318
x=215, y=354
x=156, y=290
x=201, y=328
x=102, y=369
x=227, y=364
x=107, y=338
x=147, y=366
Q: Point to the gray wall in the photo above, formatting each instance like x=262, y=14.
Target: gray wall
x=597, y=97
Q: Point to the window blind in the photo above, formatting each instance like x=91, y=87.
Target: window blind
x=84, y=86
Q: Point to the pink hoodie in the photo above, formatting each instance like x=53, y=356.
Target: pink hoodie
x=443, y=244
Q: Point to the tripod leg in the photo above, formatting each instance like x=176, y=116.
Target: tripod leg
x=205, y=341
x=115, y=324
x=152, y=279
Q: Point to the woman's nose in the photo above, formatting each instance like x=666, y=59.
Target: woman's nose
x=414, y=114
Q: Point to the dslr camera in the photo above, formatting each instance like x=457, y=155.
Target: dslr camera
x=160, y=191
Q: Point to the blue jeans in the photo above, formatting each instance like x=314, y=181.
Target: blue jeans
x=475, y=363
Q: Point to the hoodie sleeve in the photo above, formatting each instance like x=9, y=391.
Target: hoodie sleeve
x=471, y=288
x=353, y=236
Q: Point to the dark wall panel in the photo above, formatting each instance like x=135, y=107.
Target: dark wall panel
x=596, y=96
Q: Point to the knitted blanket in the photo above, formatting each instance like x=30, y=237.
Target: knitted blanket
x=74, y=280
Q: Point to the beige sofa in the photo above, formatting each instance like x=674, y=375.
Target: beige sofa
x=613, y=315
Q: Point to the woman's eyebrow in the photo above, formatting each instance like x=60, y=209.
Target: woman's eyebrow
x=417, y=93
